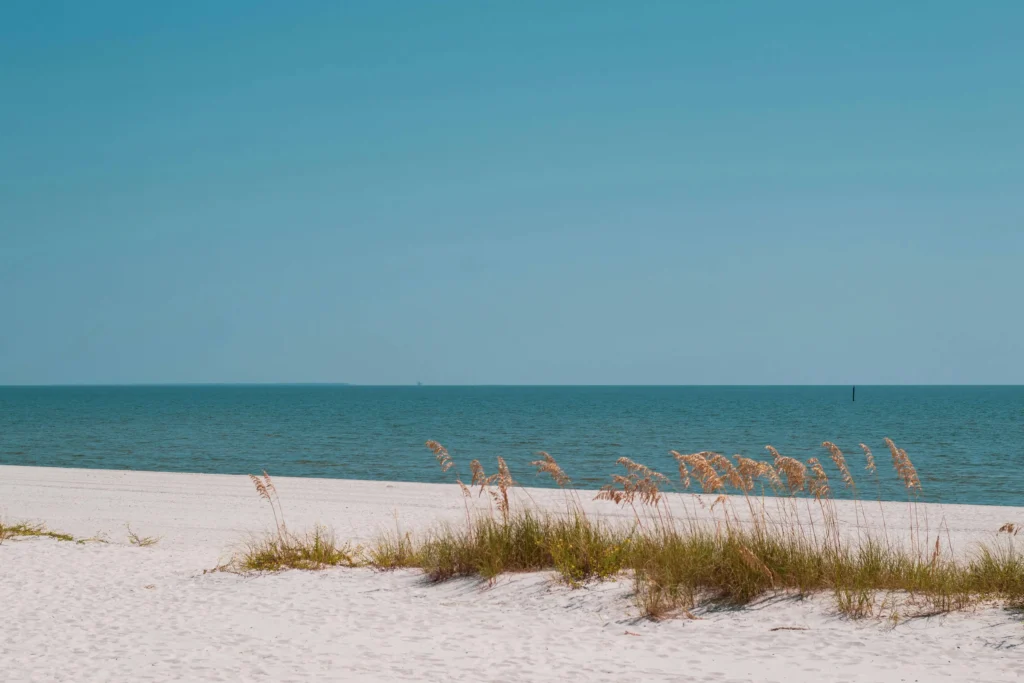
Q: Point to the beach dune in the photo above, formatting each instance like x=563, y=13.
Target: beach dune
x=114, y=611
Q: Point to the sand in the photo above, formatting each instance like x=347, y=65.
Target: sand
x=113, y=611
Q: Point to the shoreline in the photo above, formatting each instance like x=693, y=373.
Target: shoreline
x=214, y=511
x=538, y=482
x=77, y=612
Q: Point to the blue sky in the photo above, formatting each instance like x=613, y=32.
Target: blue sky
x=506, y=193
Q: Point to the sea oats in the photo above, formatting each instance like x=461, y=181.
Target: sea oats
x=640, y=482
x=721, y=463
x=904, y=468
x=868, y=458
x=479, y=477
x=549, y=467
x=609, y=492
x=684, y=473
x=793, y=470
x=840, y=461
x=441, y=453
x=266, y=490
x=505, y=482
x=261, y=488
x=818, y=486
x=701, y=468
x=751, y=470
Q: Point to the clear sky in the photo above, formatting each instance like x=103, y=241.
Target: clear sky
x=505, y=193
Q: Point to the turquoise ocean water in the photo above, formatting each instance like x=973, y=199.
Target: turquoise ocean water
x=967, y=442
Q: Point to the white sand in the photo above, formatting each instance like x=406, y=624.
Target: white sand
x=116, y=612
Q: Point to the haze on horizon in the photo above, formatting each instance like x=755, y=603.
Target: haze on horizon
x=578, y=193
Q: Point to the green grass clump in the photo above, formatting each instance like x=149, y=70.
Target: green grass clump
x=392, y=551
x=576, y=547
x=314, y=550
x=25, y=529
x=680, y=571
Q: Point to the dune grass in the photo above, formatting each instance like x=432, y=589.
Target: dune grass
x=316, y=549
x=525, y=541
x=740, y=548
x=677, y=570
x=28, y=530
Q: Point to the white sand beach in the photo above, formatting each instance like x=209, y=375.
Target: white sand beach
x=113, y=611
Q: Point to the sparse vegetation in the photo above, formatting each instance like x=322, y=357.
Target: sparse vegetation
x=28, y=530
x=140, y=541
x=282, y=549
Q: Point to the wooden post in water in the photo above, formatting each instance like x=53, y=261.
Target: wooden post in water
x=855, y=392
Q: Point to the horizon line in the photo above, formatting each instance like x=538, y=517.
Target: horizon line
x=492, y=385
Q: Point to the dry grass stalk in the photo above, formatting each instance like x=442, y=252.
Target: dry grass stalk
x=444, y=459
x=752, y=470
x=140, y=541
x=504, y=482
x=548, y=466
x=441, y=454
x=502, y=479
x=266, y=490
x=684, y=472
x=818, y=485
x=840, y=462
x=702, y=469
x=793, y=470
x=728, y=471
x=610, y=493
x=261, y=488
x=904, y=468
x=640, y=482
x=479, y=477
x=868, y=458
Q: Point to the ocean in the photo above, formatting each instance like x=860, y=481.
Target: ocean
x=966, y=442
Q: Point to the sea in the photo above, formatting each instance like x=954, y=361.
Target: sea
x=967, y=442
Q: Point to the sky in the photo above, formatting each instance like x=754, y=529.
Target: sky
x=512, y=193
